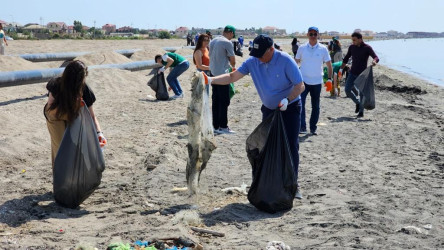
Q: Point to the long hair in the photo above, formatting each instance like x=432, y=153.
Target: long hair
x=295, y=40
x=337, y=42
x=199, y=44
x=70, y=90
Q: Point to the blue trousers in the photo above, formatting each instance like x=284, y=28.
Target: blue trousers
x=352, y=91
x=292, y=122
x=174, y=74
x=315, y=94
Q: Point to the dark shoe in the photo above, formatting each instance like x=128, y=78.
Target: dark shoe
x=298, y=194
x=360, y=115
x=357, y=108
x=314, y=133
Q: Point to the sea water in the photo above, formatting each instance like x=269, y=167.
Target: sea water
x=422, y=57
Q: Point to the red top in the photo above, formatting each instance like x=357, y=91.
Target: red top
x=205, y=56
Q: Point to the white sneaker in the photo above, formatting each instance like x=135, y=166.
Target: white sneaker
x=226, y=130
x=216, y=131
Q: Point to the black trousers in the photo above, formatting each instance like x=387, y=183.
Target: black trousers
x=221, y=101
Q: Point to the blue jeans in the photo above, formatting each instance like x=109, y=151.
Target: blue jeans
x=315, y=94
x=174, y=74
x=352, y=91
x=292, y=122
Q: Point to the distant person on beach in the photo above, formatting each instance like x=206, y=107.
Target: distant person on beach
x=65, y=96
x=294, y=46
x=277, y=46
x=178, y=64
x=359, y=52
x=189, y=39
x=312, y=57
x=335, y=50
x=222, y=58
x=279, y=84
x=208, y=33
x=201, y=56
x=3, y=41
x=241, y=41
x=196, y=37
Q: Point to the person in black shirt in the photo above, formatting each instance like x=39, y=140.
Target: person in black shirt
x=66, y=95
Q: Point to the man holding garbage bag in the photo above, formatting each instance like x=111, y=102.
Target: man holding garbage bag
x=279, y=84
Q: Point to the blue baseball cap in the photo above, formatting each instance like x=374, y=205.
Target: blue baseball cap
x=260, y=44
x=313, y=28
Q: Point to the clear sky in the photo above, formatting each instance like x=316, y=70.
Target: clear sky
x=293, y=15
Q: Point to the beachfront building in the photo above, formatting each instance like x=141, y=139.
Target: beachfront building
x=109, y=28
x=333, y=33
x=57, y=27
x=273, y=31
x=181, y=31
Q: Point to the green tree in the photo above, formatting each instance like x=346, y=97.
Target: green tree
x=78, y=27
x=164, y=35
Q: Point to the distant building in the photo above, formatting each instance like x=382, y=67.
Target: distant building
x=109, y=28
x=181, y=31
x=57, y=27
x=125, y=29
x=333, y=33
x=274, y=31
x=418, y=34
x=367, y=33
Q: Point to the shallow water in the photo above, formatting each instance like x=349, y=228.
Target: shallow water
x=419, y=57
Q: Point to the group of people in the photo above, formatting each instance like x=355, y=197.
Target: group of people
x=279, y=81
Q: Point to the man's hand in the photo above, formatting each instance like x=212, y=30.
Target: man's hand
x=161, y=70
x=328, y=85
x=283, y=104
x=374, y=63
x=207, y=79
x=340, y=74
x=102, y=139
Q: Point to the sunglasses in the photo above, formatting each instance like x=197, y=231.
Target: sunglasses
x=206, y=40
x=313, y=34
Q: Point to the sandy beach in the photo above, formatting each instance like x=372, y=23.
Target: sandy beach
x=371, y=183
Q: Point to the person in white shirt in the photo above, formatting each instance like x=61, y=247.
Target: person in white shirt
x=312, y=57
x=2, y=40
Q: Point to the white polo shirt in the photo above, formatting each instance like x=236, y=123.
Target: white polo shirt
x=312, y=62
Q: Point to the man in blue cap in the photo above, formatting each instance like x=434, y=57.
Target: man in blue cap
x=312, y=57
x=279, y=84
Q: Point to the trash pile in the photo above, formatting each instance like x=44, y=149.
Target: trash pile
x=158, y=244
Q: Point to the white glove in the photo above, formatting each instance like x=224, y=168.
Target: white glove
x=283, y=104
x=102, y=139
x=161, y=70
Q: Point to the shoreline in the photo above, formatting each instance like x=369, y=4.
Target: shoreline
x=374, y=182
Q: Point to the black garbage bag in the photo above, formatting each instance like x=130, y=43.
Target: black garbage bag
x=157, y=83
x=237, y=48
x=364, y=82
x=79, y=162
x=274, y=179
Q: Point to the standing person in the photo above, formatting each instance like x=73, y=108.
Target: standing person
x=65, y=96
x=189, y=39
x=2, y=40
x=178, y=64
x=208, y=32
x=359, y=52
x=294, y=46
x=241, y=41
x=201, y=56
x=336, y=50
x=196, y=37
x=312, y=57
x=221, y=59
x=279, y=84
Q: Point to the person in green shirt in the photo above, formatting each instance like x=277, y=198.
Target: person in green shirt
x=178, y=64
x=336, y=90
